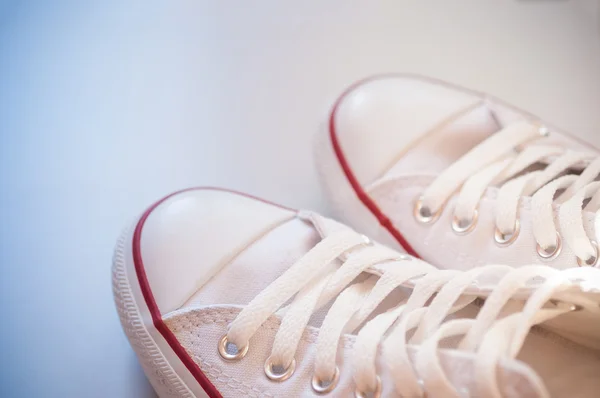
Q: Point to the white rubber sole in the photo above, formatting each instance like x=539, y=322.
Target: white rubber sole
x=162, y=367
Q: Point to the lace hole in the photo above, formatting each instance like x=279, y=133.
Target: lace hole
x=366, y=240
x=544, y=131
x=424, y=214
x=278, y=372
x=463, y=227
x=592, y=261
x=572, y=307
x=552, y=251
x=230, y=351
x=506, y=239
x=368, y=394
x=323, y=387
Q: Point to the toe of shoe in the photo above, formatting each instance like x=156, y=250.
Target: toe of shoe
x=187, y=237
x=375, y=120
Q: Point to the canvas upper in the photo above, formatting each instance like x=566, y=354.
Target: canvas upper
x=225, y=295
x=459, y=178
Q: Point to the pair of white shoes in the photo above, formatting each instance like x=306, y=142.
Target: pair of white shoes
x=226, y=295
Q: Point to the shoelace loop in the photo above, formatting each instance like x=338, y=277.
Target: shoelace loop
x=436, y=294
x=556, y=191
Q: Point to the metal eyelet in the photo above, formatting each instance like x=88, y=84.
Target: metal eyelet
x=225, y=352
x=404, y=257
x=323, y=387
x=592, y=261
x=463, y=227
x=572, y=307
x=552, y=251
x=276, y=375
x=375, y=394
x=506, y=239
x=542, y=129
x=424, y=215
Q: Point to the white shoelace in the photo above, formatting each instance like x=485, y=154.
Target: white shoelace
x=497, y=161
x=315, y=280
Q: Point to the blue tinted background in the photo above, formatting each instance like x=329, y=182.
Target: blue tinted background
x=106, y=106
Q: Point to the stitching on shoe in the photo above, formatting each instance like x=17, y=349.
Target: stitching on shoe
x=183, y=323
x=261, y=235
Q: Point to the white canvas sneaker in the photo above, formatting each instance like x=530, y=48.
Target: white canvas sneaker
x=458, y=177
x=224, y=295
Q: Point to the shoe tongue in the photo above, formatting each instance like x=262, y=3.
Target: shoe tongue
x=324, y=226
x=582, y=325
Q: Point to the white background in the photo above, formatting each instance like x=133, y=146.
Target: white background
x=105, y=108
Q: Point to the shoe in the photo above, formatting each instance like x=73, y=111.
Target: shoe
x=225, y=295
x=457, y=177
